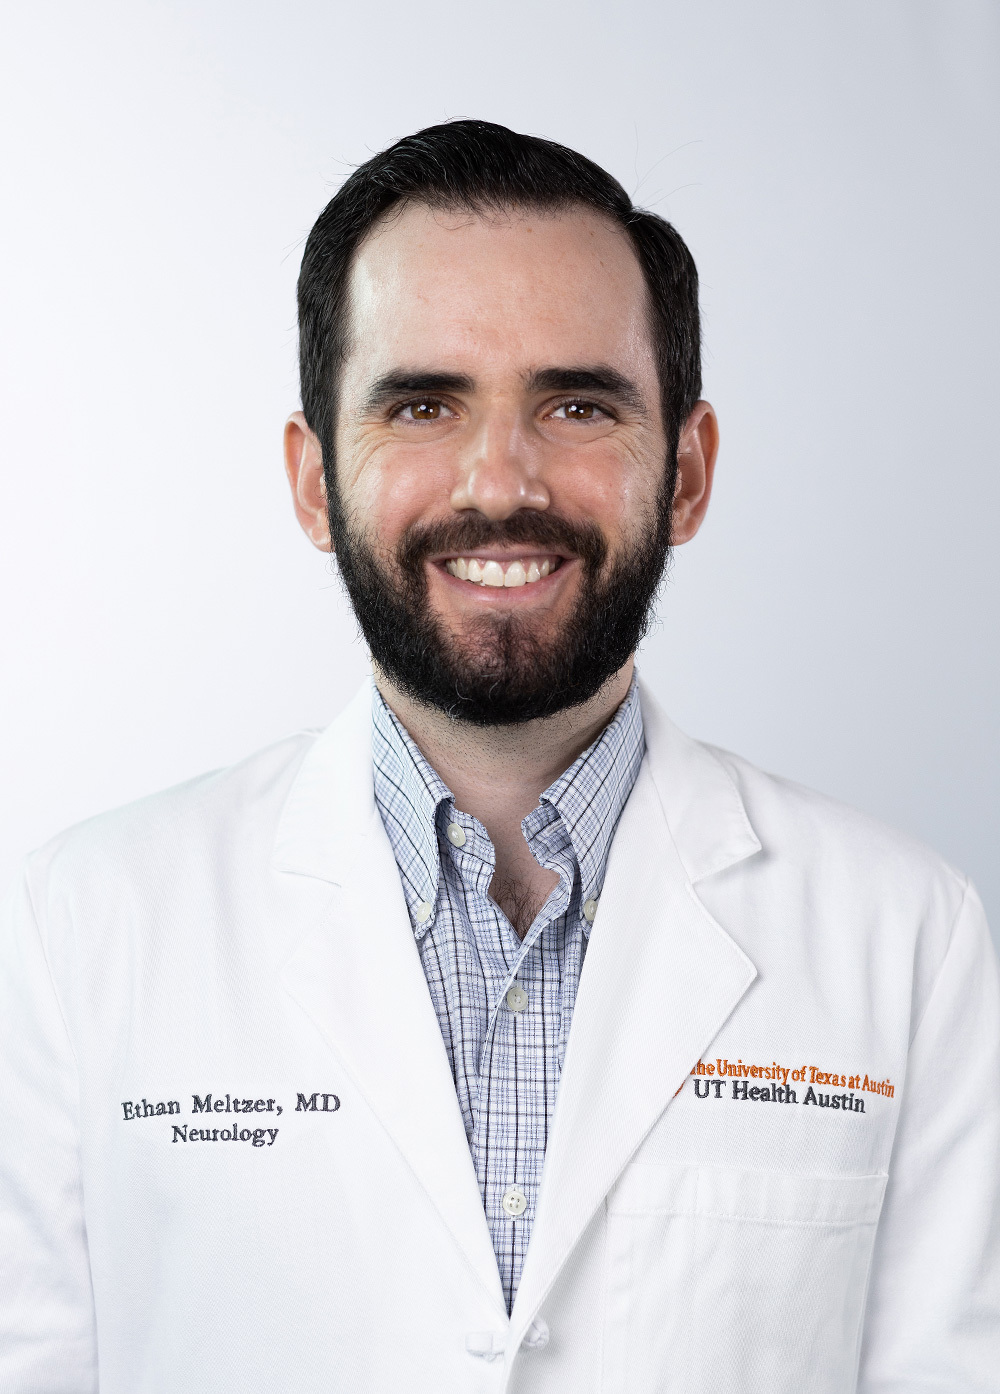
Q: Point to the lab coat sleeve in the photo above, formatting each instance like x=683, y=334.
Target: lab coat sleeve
x=933, y=1314
x=47, y=1338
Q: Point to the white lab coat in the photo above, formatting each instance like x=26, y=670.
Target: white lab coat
x=245, y=937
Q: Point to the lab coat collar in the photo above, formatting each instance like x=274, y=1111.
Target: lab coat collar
x=660, y=979
x=356, y=973
x=708, y=823
x=333, y=797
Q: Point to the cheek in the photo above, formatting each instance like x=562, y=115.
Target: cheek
x=389, y=486
x=616, y=493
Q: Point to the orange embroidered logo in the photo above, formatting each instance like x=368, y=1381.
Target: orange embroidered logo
x=778, y=1081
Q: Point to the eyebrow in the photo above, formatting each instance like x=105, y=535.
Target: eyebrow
x=599, y=377
x=402, y=384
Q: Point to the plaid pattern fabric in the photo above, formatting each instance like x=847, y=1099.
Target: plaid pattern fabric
x=504, y=1004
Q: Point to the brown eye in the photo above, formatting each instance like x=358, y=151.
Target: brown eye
x=425, y=411
x=579, y=411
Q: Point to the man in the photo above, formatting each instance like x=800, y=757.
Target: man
x=499, y=1037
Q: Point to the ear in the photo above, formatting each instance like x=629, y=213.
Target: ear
x=696, y=451
x=304, y=467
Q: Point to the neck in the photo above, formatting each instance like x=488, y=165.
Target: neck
x=496, y=773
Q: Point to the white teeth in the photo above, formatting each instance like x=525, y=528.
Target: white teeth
x=515, y=575
x=492, y=573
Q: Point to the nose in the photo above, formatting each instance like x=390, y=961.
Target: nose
x=499, y=472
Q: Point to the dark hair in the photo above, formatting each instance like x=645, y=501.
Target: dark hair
x=482, y=167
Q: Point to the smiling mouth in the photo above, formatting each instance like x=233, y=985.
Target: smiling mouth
x=518, y=572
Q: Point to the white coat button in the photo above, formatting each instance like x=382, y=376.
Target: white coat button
x=422, y=911
x=589, y=910
x=514, y=1202
x=456, y=835
x=537, y=1335
x=517, y=998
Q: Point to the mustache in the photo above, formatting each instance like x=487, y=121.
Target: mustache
x=465, y=533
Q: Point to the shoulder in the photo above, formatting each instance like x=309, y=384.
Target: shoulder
x=223, y=829
x=237, y=803
x=871, y=899
x=873, y=895
x=793, y=820
x=771, y=850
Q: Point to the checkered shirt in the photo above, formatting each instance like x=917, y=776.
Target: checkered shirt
x=506, y=1053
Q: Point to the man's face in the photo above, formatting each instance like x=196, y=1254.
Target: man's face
x=501, y=520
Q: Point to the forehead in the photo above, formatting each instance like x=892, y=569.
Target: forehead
x=518, y=290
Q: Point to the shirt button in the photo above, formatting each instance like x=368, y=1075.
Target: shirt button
x=422, y=911
x=456, y=835
x=514, y=1202
x=517, y=998
x=589, y=910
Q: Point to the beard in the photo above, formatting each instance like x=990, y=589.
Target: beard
x=499, y=671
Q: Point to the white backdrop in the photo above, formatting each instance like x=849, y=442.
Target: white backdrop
x=834, y=169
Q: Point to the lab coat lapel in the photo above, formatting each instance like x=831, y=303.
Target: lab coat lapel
x=357, y=974
x=660, y=978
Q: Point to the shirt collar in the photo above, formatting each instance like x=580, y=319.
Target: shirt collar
x=407, y=793
x=588, y=797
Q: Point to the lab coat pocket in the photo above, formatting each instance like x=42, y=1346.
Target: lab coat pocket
x=733, y=1282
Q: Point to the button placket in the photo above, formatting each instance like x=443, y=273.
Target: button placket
x=475, y=959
